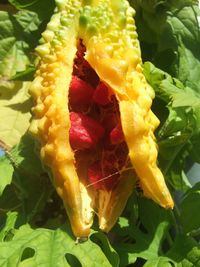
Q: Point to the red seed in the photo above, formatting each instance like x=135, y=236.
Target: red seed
x=101, y=95
x=84, y=132
x=116, y=135
x=80, y=92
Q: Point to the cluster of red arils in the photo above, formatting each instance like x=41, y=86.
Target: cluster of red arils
x=95, y=125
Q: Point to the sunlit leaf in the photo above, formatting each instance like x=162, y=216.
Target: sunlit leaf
x=15, y=106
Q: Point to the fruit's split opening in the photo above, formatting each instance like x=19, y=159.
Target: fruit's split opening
x=96, y=134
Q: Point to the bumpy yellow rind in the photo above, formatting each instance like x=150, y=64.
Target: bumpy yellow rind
x=51, y=115
x=108, y=31
x=114, y=53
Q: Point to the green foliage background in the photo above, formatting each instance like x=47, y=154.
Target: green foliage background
x=34, y=229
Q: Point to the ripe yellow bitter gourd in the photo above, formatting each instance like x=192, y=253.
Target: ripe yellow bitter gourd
x=92, y=113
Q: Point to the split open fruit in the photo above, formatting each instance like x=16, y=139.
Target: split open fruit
x=92, y=114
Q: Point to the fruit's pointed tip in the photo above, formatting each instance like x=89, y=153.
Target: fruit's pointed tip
x=104, y=228
x=106, y=224
x=169, y=204
x=80, y=232
x=81, y=240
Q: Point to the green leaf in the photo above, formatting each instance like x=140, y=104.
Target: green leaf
x=15, y=106
x=26, y=75
x=43, y=8
x=25, y=156
x=189, y=207
x=19, y=35
x=21, y=5
x=170, y=37
x=6, y=173
x=28, y=20
x=158, y=262
x=33, y=184
x=178, y=178
x=13, y=48
x=185, y=252
x=31, y=187
x=152, y=239
x=99, y=238
x=146, y=237
x=9, y=200
x=179, y=134
x=7, y=225
x=56, y=248
x=183, y=24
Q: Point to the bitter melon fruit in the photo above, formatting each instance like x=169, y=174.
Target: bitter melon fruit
x=92, y=112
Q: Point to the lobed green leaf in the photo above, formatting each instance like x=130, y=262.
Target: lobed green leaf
x=56, y=248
